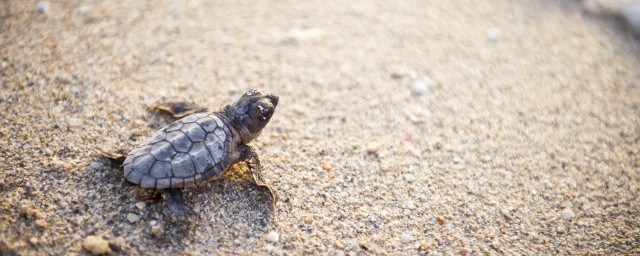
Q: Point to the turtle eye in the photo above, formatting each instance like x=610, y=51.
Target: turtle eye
x=264, y=111
x=257, y=111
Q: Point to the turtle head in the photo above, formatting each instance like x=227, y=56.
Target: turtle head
x=254, y=110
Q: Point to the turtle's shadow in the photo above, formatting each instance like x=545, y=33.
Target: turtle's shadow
x=227, y=203
x=232, y=202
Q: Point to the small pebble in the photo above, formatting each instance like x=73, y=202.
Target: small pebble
x=84, y=9
x=493, y=34
x=424, y=247
x=140, y=205
x=419, y=87
x=269, y=247
x=327, y=167
x=61, y=165
x=132, y=217
x=568, y=214
x=156, y=230
x=136, y=133
x=273, y=237
x=42, y=7
x=492, y=145
x=406, y=238
x=398, y=72
x=409, y=205
x=96, y=166
x=96, y=245
x=305, y=34
x=440, y=220
x=308, y=219
x=386, y=166
x=72, y=121
x=417, y=114
x=31, y=212
x=41, y=223
x=373, y=148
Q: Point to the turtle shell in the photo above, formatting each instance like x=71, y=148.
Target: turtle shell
x=188, y=152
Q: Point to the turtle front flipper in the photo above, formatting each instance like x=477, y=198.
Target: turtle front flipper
x=249, y=155
x=175, y=208
x=257, y=177
x=178, y=109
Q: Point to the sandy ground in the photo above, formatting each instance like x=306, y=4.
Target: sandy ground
x=408, y=127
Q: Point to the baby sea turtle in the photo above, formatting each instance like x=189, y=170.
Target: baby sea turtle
x=199, y=148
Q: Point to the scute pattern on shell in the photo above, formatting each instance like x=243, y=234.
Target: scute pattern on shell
x=188, y=152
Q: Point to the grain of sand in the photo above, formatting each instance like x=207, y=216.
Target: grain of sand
x=404, y=127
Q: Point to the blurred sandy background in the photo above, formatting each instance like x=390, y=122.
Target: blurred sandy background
x=404, y=127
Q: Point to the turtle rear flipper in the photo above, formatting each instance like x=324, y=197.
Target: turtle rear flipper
x=175, y=208
x=178, y=109
x=116, y=158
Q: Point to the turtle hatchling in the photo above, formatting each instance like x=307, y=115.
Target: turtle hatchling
x=200, y=147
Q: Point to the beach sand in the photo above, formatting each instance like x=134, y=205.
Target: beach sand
x=403, y=128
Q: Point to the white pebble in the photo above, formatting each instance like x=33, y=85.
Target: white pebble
x=72, y=121
x=406, y=238
x=84, y=9
x=417, y=114
x=42, y=7
x=568, y=214
x=410, y=205
x=419, y=87
x=273, y=237
x=157, y=230
x=492, y=145
x=274, y=250
x=132, y=217
x=140, y=205
x=306, y=34
x=493, y=34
